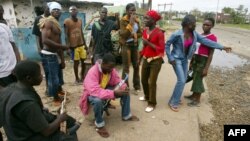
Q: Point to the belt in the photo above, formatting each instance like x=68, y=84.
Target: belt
x=47, y=52
x=149, y=59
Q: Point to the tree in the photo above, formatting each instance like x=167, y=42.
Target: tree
x=228, y=10
x=208, y=15
x=238, y=15
x=196, y=12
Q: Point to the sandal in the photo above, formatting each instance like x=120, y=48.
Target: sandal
x=102, y=131
x=132, y=118
x=173, y=108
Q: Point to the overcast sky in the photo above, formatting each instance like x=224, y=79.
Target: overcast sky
x=187, y=5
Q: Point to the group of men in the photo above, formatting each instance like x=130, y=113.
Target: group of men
x=23, y=115
x=50, y=47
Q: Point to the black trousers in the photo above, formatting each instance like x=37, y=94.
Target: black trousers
x=7, y=80
x=57, y=136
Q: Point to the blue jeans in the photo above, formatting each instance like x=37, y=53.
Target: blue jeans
x=180, y=70
x=98, y=109
x=52, y=69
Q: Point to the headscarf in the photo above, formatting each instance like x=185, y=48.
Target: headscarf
x=54, y=5
x=153, y=14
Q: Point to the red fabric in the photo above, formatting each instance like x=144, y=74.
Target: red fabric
x=203, y=49
x=155, y=15
x=157, y=38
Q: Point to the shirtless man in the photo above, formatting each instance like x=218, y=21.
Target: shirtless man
x=75, y=39
x=52, y=57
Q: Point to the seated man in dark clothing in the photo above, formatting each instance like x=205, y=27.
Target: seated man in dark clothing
x=23, y=116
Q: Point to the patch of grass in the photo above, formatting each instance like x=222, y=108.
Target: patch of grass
x=243, y=26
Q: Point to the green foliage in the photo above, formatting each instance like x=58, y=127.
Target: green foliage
x=209, y=15
x=238, y=15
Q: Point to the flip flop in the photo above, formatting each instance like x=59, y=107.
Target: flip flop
x=173, y=108
x=132, y=118
x=102, y=132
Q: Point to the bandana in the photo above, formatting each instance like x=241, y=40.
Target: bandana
x=155, y=15
x=54, y=5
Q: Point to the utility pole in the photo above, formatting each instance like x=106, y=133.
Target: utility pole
x=216, y=15
x=164, y=6
x=149, y=4
x=143, y=4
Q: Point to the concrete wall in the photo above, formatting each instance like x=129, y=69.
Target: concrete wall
x=20, y=13
x=24, y=11
x=9, y=13
x=20, y=16
x=88, y=9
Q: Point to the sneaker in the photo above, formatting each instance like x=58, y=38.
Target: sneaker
x=142, y=98
x=149, y=109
